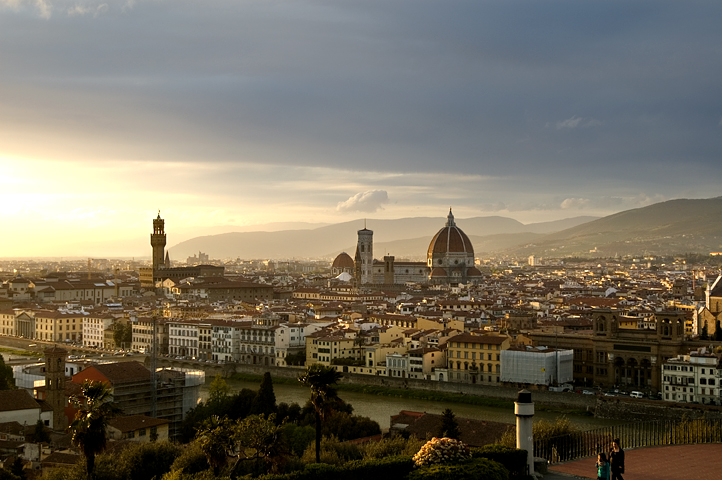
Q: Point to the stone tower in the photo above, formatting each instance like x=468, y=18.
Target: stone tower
x=157, y=241
x=55, y=385
x=389, y=270
x=364, y=256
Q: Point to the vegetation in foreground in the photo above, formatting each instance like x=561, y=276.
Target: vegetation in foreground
x=262, y=444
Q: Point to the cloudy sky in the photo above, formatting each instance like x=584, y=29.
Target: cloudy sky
x=225, y=113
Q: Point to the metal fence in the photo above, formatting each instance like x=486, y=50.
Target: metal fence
x=577, y=445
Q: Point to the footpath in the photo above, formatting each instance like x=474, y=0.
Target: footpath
x=682, y=462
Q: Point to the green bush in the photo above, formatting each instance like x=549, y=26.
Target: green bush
x=513, y=459
x=145, y=461
x=191, y=460
x=389, y=468
x=333, y=452
x=388, y=447
x=480, y=468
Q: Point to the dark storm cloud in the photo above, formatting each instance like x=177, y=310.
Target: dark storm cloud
x=612, y=90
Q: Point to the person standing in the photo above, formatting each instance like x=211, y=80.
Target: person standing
x=616, y=460
x=602, y=467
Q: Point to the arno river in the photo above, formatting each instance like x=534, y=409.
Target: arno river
x=381, y=408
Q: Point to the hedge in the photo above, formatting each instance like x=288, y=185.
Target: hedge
x=472, y=470
x=389, y=468
x=514, y=459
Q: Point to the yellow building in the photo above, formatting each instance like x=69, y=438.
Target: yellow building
x=57, y=327
x=323, y=348
x=475, y=358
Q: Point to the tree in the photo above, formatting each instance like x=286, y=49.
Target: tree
x=94, y=411
x=217, y=441
x=265, y=400
x=122, y=335
x=261, y=439
x=449, y=426
x=320, y=379
x=218, y=390
x=7, y=381
x=40, y=434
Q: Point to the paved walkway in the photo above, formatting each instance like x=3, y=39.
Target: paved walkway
x=683, y=462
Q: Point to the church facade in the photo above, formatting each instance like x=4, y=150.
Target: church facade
x=450, y=259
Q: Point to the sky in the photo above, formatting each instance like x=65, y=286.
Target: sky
x=230, y=113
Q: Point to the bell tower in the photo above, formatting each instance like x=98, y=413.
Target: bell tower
x=364, y=258
x=157, y=241
x=55, y=385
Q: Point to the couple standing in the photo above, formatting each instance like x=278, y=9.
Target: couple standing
x=615, y=463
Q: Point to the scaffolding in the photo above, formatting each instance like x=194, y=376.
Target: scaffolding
x=537, y=366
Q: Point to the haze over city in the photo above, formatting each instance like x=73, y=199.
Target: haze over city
x=225, y=114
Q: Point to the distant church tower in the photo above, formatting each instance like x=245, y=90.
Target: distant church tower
x=364, y=256
x=157, y=241
x=55, y=385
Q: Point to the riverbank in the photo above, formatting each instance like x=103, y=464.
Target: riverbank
x=411, y=394
x=382, y=408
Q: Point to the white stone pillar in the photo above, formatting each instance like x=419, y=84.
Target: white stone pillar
x=524, y=411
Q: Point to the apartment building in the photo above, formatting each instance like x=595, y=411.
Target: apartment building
x=184, y=337
x=693, y=378
x=323, y=347
x=58, y=327
x=475, y=358
x=95, y=328
x=142, y=328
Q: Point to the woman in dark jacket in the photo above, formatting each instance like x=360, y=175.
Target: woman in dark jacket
x=616, y=460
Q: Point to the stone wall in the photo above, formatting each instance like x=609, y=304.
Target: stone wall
x=632, y=409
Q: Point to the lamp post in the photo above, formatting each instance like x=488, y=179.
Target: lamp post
x=524, y=411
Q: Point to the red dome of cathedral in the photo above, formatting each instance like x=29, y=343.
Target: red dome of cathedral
x=343, y=260
x=450, y=239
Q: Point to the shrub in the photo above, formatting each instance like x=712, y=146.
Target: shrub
x=145, y=461
x=333, y=452
x=513, y=459
x=480, y=468
x=191, y=460
x=387, y=447
x=389, y=468
x=442, y=450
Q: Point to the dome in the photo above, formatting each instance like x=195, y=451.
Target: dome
x=438, y=272
x=450, y=239
x=473, y=272
x=343, y=260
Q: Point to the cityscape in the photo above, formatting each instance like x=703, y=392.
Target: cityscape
x=339, y=240
x=578, y=333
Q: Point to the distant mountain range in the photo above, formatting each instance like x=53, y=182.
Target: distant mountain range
x=404, y=238
x=676, y=226
x=667, y=228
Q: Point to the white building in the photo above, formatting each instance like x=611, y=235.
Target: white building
x=537, y=366
x=94, y=330
x=692, y=378
x=225, y=340
x=290, y=338
x=183, y=338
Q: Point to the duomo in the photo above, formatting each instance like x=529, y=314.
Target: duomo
x=449, y=260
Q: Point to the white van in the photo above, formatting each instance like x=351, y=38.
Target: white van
x=636, y=394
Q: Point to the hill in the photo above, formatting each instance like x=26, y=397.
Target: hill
x=404, y=238
x=666, y=228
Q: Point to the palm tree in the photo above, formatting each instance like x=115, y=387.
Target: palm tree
x=320, y=379
x=95, y=410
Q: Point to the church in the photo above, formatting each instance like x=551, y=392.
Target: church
x=450, y=260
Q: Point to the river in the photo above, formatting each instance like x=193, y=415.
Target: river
x=380, y=408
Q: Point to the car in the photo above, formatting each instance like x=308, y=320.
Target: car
x=587, y=392
x=636, y=394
